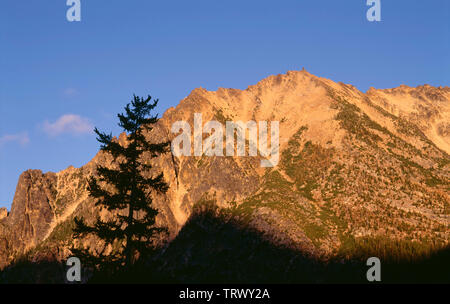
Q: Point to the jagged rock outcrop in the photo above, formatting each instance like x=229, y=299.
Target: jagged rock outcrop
x=3, y=213
x=352, y=166
x=31, y=213
x=425, y=106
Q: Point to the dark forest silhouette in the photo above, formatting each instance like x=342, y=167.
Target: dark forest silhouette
x=214, y=249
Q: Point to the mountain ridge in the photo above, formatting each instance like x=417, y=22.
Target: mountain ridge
x=380, y=155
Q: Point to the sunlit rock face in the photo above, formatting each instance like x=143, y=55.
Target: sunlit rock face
x=3, y=213
x=353, y=165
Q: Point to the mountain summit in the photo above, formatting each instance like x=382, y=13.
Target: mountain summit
x=355, y=168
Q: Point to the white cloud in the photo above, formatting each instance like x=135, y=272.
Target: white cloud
x=70, y=92
x=20, y=138
x=68, y=123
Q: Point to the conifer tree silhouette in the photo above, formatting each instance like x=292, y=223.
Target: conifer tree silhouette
x=125, y=191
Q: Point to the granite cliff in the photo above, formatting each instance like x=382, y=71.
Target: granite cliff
x=353, y=167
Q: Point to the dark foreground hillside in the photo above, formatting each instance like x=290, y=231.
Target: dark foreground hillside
x=214, y=249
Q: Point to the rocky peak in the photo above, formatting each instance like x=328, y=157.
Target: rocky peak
x=3, y=213
x=31, y=211
x=426, y=106
x=335, y=156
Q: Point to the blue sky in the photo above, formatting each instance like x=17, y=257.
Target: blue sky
x=58, y=79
